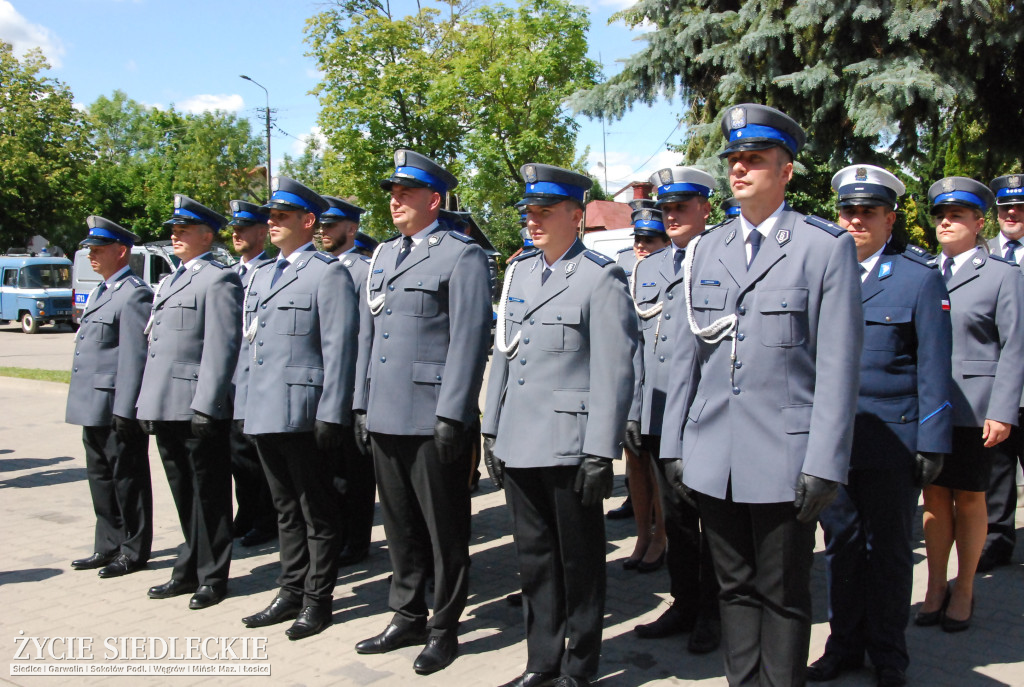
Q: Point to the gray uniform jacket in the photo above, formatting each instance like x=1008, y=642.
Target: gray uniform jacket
x=993, y=246
x=431, y=328
x=778, y=396
x=110, y=354
x=359, y=267
x=565, y=393
x=304, y=345
x=654, y=282
x=193, y=344
x=240, y=380
x=987, y=308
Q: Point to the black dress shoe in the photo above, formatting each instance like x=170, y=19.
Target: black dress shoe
x=647, y=567
x=671, y=622
x=122, y=565
x=631, y=563
x=256, y=537
x=832, y=665
x=438, y=654
x=533, y=680
x=889, y=676
x=706, y=635
x=930, y=618
x=952, y=625
x=97, y=560
x=622, y=512
x=172, y=588
x=393, y=637
x=350, y=556
x=515, y=600
x=571, y=681
x=312, y=620
x=279, y=610
x=206, y=596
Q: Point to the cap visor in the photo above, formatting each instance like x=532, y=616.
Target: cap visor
x=753, y=144
x=648, y=232
x=862, y=201
x=281, y=205
x=408, y=182
x=96, y=241
x=1010, y=200
x=243, y=223
x=542, y=200
x=678, y=197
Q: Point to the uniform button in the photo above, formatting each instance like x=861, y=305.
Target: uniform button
x=81, y=336
x=903, y=418
x=735, y=391
x=386, y=335
x=526, y=340
x=388, y=311
x=739, y=364
x=152, y=354
x=158, y=321
x=263, y=324
x=290, y=302
x=437, y=377
x=664, y=337
x=521, y=381
x=419, y=283
x=888, y=319
x=309, y=379
x=741, y=336
x=661, y=358
x=383, y=358
x=195, y=375
x=742, y=310
x=78, y=353
x=533, y=321
x=260, y=361
x=558, y=317
x=522, y=361
x=785, y=304
x=264, y=306
x=706, y=301
x=583, y=406
x=391, y=287
x=668, y=316
x=261, y=343
x=669, y=296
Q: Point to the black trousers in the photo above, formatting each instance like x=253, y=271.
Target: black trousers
x=1001, y=496
x=561, y=549
x=122, y=493
x=299, y=475
x=252, y=493
x=870, y=565
x=425, y=507
x=356, y=485
x=199, y=474
x=763, y=560
x=691, y=571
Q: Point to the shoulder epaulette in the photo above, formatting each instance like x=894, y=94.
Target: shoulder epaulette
x=462, y=237
x=821, y=223
x=218, y=264
x=525, y=254
x=393, y=238
x=599, y=258
x=324, y=257
x=653, y=253
x=623, y=250
x=135, y=281
x=1000, y=258
x=919, y=255
x=718, y=226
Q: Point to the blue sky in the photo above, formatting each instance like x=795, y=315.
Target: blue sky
x=191, y=52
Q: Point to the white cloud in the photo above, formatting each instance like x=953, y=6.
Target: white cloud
x=625, y=167
x=299, y=146
x=209, y=103
x=24, y=35
x=131, y=66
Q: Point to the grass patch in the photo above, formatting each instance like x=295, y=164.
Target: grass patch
x=63, y=376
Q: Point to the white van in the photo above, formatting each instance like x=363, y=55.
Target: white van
x=610, y=241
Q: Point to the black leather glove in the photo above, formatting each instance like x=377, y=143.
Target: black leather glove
x=674, y=477
x=148, y=426
x=927, y=468
x=633, y=436
x=203, y=426
x=328, y=435
x=813, y=494
x=449, y=438
x=495, y=466
x=362, y=434
x=127, y=429
x=238, y=427
x=594, y=480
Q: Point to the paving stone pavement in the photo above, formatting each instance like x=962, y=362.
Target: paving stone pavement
x=47, y=521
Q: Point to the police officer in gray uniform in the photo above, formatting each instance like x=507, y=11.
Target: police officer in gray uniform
x=110, y=355
x=418, y=385
x=759, y=414
x=354, y=479
x=656, y=287
x=255, y=520
x=301, y=319
x=1002, y=492
x=194, y=335
x=562, y=367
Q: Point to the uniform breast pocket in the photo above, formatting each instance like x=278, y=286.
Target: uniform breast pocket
x=102, y=328
x=708, y=304
x=424, y=294
x=376, y=280
x=783, y=316
x=181, y=312
x=294, y=314
x=560, y=329
x=886, y=327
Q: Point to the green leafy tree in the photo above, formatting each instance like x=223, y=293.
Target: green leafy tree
x=44, y=148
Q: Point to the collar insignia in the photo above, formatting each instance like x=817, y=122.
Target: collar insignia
x=433, y=240
x=782, y=236
x=570, y=267
x=884, y=270
x=977, y=262
x=730, y=237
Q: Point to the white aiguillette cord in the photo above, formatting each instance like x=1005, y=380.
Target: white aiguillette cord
x=720, y=328
x=152, y=310
x=376, y=304
x=508, y=348
x=654, y=310
x=250, y=331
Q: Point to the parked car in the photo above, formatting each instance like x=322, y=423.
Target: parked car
x=609, y=242
x=35, y=291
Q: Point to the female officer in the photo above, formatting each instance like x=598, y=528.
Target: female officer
x=987, y=309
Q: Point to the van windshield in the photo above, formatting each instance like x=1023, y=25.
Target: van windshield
x=45, y=276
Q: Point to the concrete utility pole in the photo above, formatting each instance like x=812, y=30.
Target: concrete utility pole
x=267, y=111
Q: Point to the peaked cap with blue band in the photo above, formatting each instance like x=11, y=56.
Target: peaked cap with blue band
x=867, y=185
x=961, y=191
x=1009, y=189
x=674, y=184
x=749, y=126
x=289, y=195
x=340, y=210
x=188, y=211
x=527, y=237
x=245, y=214
x=549, y=185
x=647, y=221
x=103, y=232
x=365, y=241
x=419, y=171
x=731, y=207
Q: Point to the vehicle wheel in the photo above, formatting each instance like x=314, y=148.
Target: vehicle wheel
x=29, y=324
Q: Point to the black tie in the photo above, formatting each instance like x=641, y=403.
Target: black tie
x=101, y=288
x=242, y=269
x=544, y=275
x=677, y=261
x=755, y=245
x=177, y=273
x=406, y=249
x=282, y=265
x=1011, y=248
x=947, y=269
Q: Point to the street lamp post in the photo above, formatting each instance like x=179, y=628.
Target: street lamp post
x=267, y=111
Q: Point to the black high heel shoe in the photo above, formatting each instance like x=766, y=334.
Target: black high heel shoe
x=645, y=567
x=951, y=625
x=931, y=618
